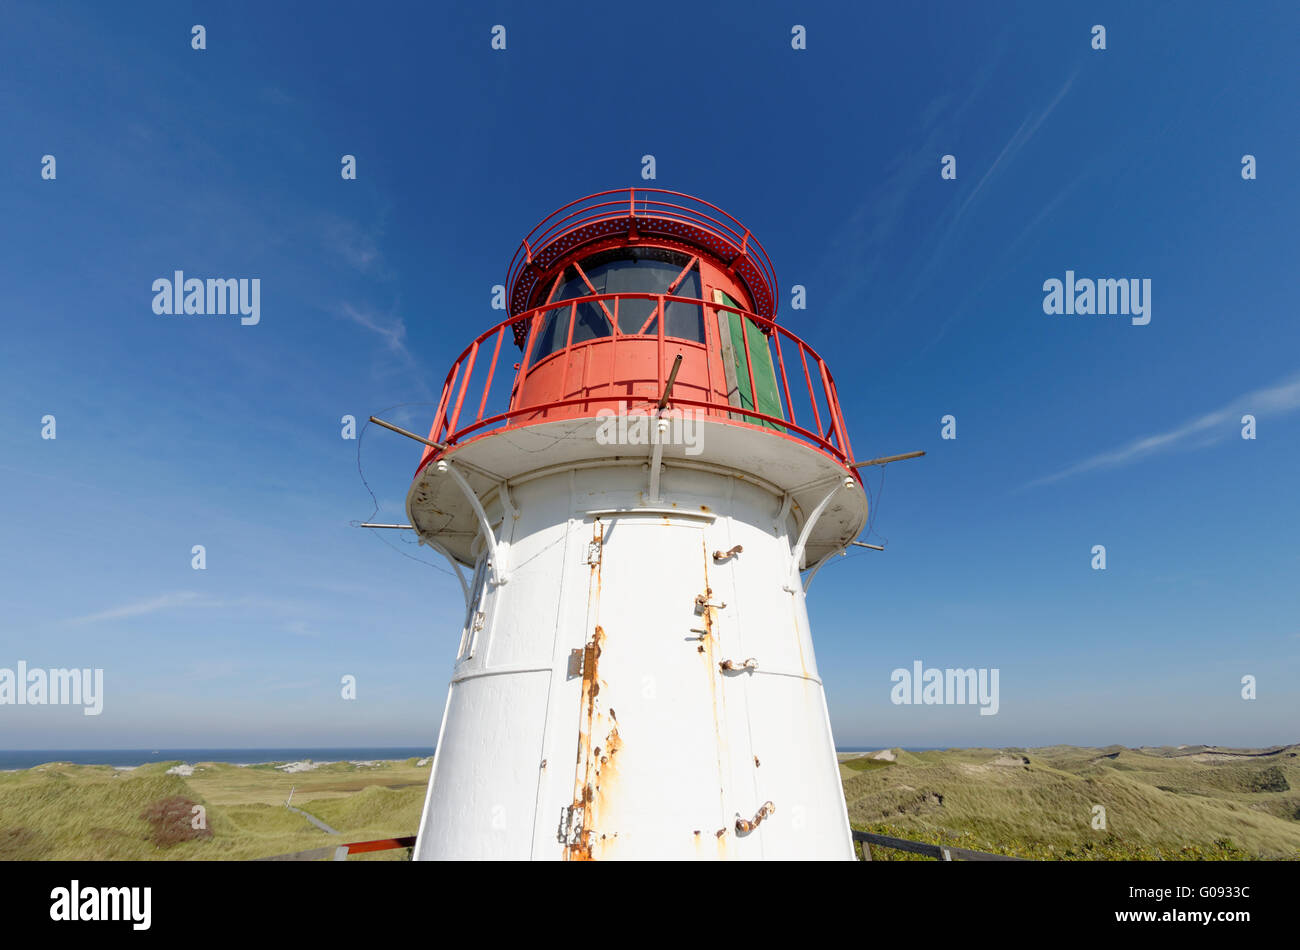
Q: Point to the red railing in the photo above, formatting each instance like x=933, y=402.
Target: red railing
x=477, y=398
x=649, y=211
x=340, y=852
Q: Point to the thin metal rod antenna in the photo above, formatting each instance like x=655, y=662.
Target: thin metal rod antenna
x=440, y=446
x=672, y=378
x=410, y=435
x=886, y=458
x=856, y=544
x=366, y=524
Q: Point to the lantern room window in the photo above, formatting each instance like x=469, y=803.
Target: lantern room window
x=621, y=271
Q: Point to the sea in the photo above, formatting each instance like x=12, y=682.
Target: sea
x=29, y=758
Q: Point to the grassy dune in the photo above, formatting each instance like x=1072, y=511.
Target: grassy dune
x=97, y=812
x=1185, y=803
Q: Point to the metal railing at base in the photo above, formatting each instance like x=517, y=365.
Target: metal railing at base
x=862, y=839
x=865, y=839
x=341, y=852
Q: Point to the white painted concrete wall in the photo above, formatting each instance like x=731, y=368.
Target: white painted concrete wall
x=659, y=750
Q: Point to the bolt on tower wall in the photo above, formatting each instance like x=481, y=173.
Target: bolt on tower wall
x=633, y=503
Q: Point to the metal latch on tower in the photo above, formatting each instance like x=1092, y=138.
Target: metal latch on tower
x=744, y=827
x=570, y=832
x=593, y=552
x=702, y=602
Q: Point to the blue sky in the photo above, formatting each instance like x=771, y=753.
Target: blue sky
x=925, y=294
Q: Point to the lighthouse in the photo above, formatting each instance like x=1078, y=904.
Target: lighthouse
x=636, y=475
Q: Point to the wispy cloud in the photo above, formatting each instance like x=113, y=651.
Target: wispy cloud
x=391, y=328
x=355, y=245
x=1201, y=432
x=950, y=224
x=1014, y=145
x=1009, y=252
x=142, y=607
x=398, y=367
x=277, y=96
x=872, y=227
x=185, y=600
x=300, y=628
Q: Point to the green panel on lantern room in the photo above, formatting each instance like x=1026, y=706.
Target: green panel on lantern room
x=730, y=328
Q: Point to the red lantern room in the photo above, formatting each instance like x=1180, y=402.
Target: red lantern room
x=603, y=296
x=644, y=264
x=607, y=291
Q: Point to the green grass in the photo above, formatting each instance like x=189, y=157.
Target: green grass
x=1161, y=804
x=61, y=811
x=1158, y=805
x=864, y=764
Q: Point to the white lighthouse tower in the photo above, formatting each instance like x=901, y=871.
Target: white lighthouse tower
x=638, y=504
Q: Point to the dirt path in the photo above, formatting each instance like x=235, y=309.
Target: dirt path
x=314, y=820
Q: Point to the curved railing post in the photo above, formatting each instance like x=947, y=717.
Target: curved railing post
x=659, y=361
x=492, y=369
x=568, y=346
x=440, y=417
x=845, y=447
x=831, y=407
x=534, y=317
x=812, y=393
x=464, y=385
x=785, y=383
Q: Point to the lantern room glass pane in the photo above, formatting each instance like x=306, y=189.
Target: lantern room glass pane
x=551, y=334
x=683, y=320
x=637, y=270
